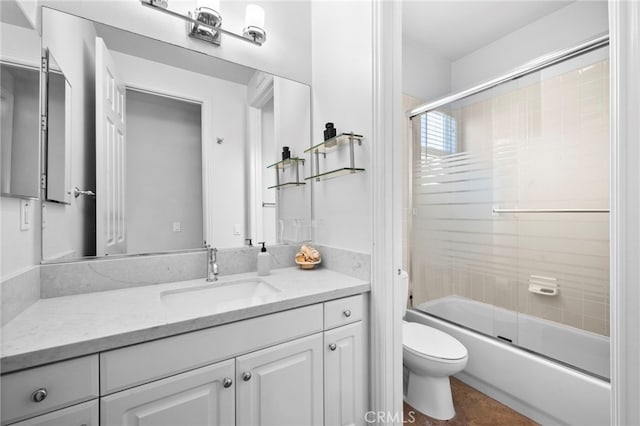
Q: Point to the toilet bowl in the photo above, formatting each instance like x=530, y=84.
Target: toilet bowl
x=430, y=356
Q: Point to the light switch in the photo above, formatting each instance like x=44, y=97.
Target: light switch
x=25, y=215
x=176, y=227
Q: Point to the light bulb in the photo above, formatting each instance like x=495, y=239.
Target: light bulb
x=254, y=16
x=210, y=4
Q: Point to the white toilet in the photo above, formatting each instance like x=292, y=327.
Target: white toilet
x=431, y=356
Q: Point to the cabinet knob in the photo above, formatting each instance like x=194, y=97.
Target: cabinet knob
x=246, y=376
x=227, y=382
x=332, y=346
x=39, y=395
x=347, y=313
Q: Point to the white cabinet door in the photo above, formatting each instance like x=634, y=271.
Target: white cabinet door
x=85, y=414
x=195, y=398
x=281, y=385
x=344, y=365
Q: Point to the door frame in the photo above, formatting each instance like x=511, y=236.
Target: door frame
x=624, y=18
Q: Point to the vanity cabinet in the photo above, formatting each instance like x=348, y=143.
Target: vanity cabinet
x=85, y=414
x=345, y=362
x=45, y=390
x=344, y=365
x=281, y=385
x=303, y=366
x=204, y=396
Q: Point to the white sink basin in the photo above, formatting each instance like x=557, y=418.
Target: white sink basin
x=216, y=297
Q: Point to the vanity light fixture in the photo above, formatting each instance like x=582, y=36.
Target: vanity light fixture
x=205, y=22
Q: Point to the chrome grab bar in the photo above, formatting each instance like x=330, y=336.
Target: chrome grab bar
x=498, y=210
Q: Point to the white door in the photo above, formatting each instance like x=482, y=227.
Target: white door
x=344, y=365
x=77, y=415
x=110, y=155
x=195, y=398
x=281, y=385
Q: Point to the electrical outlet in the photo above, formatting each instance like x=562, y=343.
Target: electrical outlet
x=177, y=227
x=236, y=229
x=25, y=215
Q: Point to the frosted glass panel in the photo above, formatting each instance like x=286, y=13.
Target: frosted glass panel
x=539, y=142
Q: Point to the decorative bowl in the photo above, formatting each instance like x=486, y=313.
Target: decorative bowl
x=308, y=265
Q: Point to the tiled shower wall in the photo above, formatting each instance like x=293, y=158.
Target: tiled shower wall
x=536, y=143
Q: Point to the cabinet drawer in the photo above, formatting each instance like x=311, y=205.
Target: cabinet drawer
x=138, y=364
x=343, y=311
x=85, y=414
x=64, y=383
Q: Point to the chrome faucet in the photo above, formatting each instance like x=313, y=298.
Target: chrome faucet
x=212, y=265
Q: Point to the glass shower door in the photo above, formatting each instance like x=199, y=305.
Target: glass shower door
x=510, y=227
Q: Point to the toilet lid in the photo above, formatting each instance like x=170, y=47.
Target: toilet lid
x=431, y=342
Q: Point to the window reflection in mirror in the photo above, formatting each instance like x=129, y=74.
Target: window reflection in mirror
x=20, y=129
x=170, y=186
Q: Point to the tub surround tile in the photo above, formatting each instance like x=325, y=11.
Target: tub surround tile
x=352, y=263
x=63, y=327
x=18, y=292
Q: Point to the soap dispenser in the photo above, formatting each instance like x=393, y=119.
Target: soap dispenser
x=264, y=261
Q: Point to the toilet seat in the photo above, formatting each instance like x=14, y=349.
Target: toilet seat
x=429, y=342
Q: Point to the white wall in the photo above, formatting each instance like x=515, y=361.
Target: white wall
x=20, y=249
x=292, y=117
x=565, y=28
x=342, y=84
x=425, y=74
x=223, y=115
x=287, y=51
x=163, y=173
x=269, y=154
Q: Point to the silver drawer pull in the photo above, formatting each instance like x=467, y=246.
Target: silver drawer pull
x=227, y=382
x=332, y=346
x=347, y=313
x=39, y=395
x=246, y=376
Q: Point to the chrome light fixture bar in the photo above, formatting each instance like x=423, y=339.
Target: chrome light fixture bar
x=206, y=24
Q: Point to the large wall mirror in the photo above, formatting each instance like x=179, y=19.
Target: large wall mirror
x=167, y=148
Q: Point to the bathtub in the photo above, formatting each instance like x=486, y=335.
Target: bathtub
x=547, y=391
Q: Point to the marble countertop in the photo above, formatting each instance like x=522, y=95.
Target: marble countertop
x=70, y=326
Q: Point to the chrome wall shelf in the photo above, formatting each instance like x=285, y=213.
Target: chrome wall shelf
x=281, y=166
x=336, y=142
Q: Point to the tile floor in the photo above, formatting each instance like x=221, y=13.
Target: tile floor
x=473, y=408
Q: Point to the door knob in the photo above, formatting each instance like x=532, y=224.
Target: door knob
x=88, y=193
x=332, y=346
x=39, y=395
x=227, y=382
x=246, y=376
